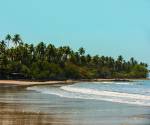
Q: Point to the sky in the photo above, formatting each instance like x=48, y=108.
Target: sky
x=103, y=27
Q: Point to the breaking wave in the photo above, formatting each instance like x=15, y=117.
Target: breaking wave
x=73, y=91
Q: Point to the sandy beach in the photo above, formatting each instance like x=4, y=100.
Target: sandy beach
x=21, y=106
x=43, y=103
x=20, y=82
x=28, y=83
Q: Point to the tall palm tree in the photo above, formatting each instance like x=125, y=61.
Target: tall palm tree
x=77, y=58
x=95, y=60
x=81, y=51
x=120, y=58
x=16, y=39
x=40, y=49
x=133, y=61
x=88, y=58
x=119, y=63
x=2, y=46
x=31, y=49
x=50, y=52
x=66, y=52
x=8, y=38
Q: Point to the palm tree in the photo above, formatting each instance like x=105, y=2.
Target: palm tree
x=50, y=52
x=119, y=63
x=77, y=58
x=66, y=52
x=120, y=58
x=95, y=60
x=111, y=62
x=133, y=61
x=3, y=43
x=2, y=46
x=40, y=49
x=3, y=57
x=31, y=49
x=88, y=58
x=102, y=60
x=8, y=38
x=81, y=51
x=16, y=39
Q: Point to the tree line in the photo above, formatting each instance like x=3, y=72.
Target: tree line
x=47, y=62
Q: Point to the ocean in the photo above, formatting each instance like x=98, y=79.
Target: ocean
x=136, y=93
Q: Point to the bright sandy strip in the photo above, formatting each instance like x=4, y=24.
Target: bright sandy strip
x=19, y=82
x=23, y=82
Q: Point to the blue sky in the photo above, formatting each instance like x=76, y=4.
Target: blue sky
x=104, y=27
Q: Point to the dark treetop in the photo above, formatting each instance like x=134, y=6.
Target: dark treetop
x=45, y=62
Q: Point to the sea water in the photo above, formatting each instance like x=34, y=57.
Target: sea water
x=135, y=93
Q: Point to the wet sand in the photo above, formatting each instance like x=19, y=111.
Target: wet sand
x=23, y=118
x=19, y=106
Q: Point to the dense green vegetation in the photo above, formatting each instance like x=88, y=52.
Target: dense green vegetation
x=44, y=62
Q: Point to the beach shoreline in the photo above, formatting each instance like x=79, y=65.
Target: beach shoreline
x=51, y=82
x=27, y=106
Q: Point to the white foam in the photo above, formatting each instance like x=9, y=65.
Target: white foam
x=111, y=96
x=106, y=82
x=105, y=93
x=86, y=93
x=123, y=83
x=118, y=83
x=44, y=90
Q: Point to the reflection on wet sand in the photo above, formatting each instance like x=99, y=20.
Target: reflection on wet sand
x=13, y=114
x=19, y=106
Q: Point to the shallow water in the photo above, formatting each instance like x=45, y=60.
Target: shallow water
x=47, y=105
x=137, y=93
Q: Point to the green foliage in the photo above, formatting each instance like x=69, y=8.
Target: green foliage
x=25, y=71
x=139, y=71
x=103, y=72
x=44, y=62
x=71, y=71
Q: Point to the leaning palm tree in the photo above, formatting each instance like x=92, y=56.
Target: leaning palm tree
x=8, y=38
x=16, y=39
